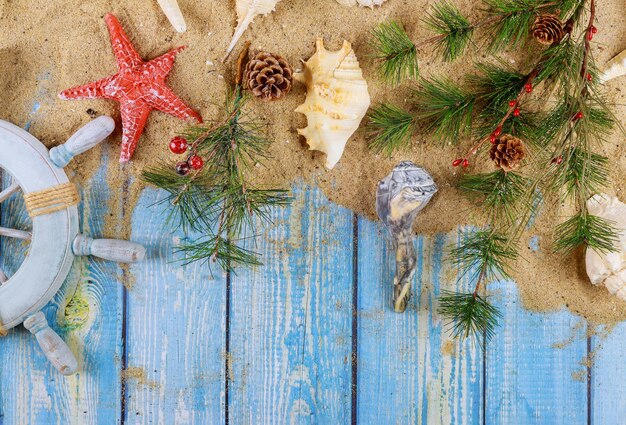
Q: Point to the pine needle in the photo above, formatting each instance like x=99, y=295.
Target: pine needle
x=514, y=20
x=445, y=109
x=390, y=128
x=396, y=51
x=454, y=29
x=585, y=229
x=500, y=193
x=483, y=255
x=469, y=315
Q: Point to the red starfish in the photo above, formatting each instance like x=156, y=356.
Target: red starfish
x=139, y=87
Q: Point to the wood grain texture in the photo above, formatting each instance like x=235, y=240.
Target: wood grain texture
x=176, y=321
x=608, y=376
x=535, y=365
x=409, y=368
x=291, y=320
x=86, y=313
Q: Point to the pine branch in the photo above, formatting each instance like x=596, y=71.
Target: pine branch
x=218, y=201
x=225, y=252
x=186, y=197
x=516, y=17
x=496, y=85
x=469, y=315
x=585, y=229
x=453, y=29
x=501, y=194
x=483, y=255
x=396, y=51
x=445, y=109
x=390, y=128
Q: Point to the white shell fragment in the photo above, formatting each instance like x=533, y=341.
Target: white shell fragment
x=174, y=15
x=609, y=269
x=336, y=102
x=365, y=3
x=247, y=10
x=616, y=67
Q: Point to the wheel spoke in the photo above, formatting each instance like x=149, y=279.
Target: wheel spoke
x=14, y=233
x=9, y=191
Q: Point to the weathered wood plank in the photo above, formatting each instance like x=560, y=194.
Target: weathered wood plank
x=176, y=321
x=608, y=376
x=86, y=312
x=535, y=372
x=409, y=368
x=291, y=319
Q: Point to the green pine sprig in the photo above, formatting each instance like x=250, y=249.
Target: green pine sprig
x=453, y=29
x=219, y=201
x=445, y=109
x=396, y=52
x=469, y=315
x=584, y=229
x=390, y=128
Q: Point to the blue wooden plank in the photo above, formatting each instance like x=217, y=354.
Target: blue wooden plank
x=608, y=376
x=175, y=330
x=86, y=312
x=291, y=319
x=410, y=370
x=534, y=370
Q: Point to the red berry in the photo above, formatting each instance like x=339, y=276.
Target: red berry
x=196, y=162
x=594, y=29
x=589, y=77
x=557, y=160
x=516, y=112
x=492, y=138
x=178, y=145
x=466, y=163
x=498, y=131
x=512, y=103
x=528, y=87
x=182, y=168
x=578, y=116
x=590, y=35
x=457, y=162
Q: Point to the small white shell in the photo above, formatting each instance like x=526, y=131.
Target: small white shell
x=616, y=67
x=609, y=269
x=174, y=15
x=336, y=102
x=247, y=10
x=366, y=3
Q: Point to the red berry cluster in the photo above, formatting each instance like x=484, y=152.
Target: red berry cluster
x=179, y=145
x=593, y=30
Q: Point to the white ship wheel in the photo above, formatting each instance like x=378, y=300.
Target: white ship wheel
x=54, y=240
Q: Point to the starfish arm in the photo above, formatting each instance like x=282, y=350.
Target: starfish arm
x=164, y=99
x=134, y=116
x=162, y=65
x=88, y=91
x=125, y=53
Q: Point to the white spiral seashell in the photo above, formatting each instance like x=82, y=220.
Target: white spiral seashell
x=336, y=102
x=616, y=67
x=247, y=10
x=174, y=15
x=365, y=3
x=609, y=269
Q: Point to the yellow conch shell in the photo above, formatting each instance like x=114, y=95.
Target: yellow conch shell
x=336, y=102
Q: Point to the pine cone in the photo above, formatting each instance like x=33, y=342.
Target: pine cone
x=507, y=152
x=268, y=76
x=548, y=29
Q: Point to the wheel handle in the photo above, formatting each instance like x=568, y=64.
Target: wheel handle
x=54, y=348
x=84, y=139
